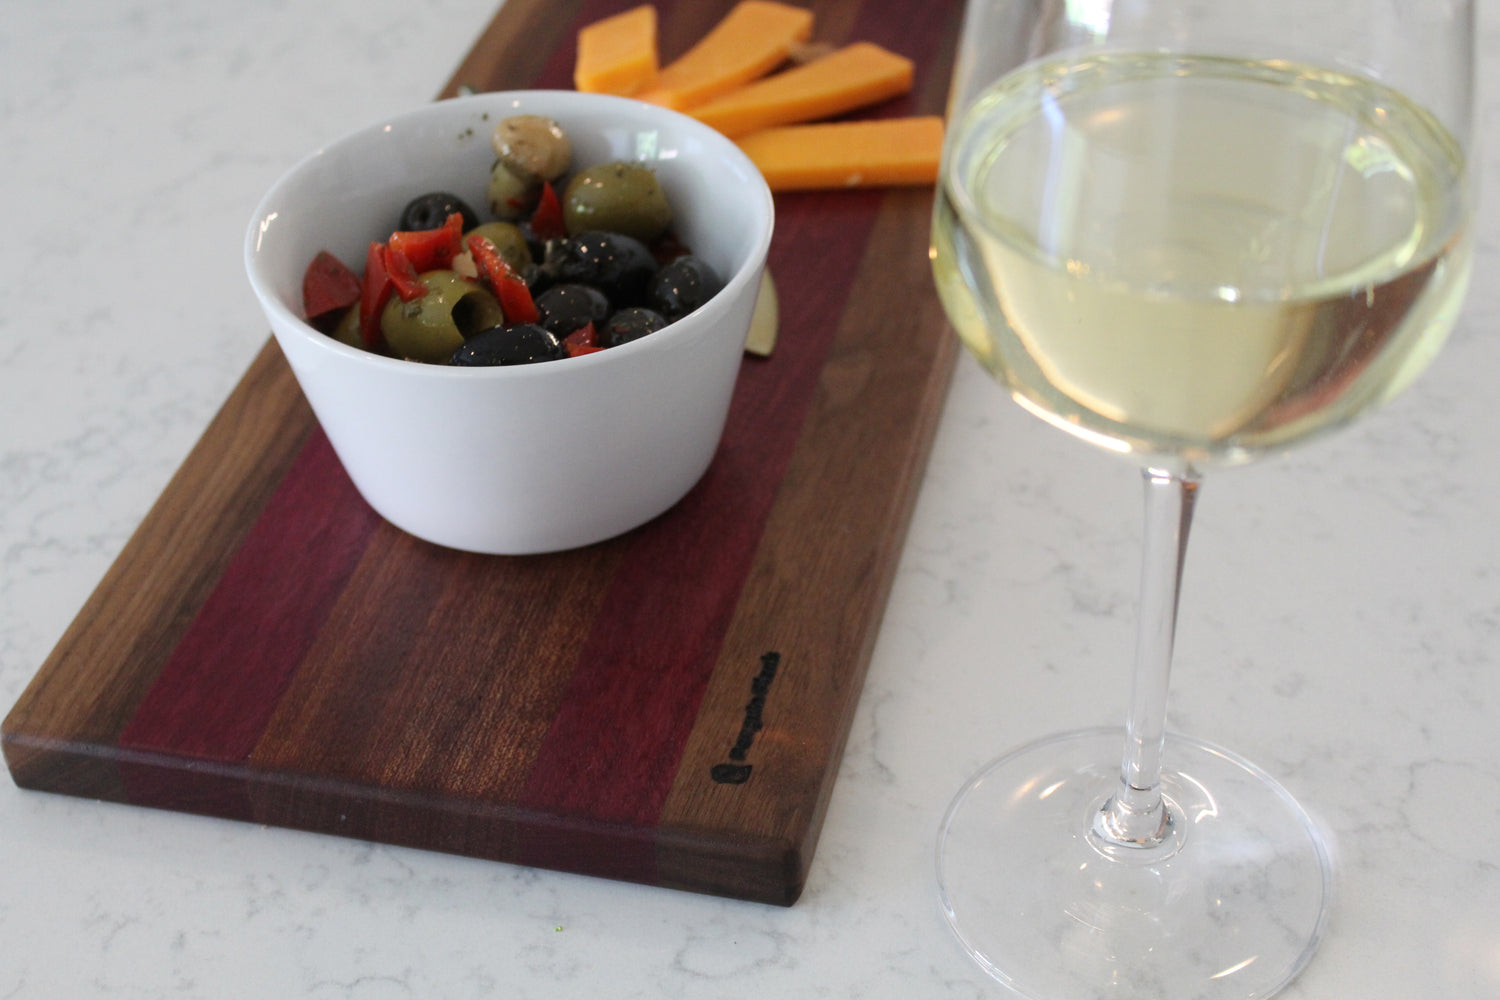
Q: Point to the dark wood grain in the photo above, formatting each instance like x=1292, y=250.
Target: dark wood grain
x=667, y=707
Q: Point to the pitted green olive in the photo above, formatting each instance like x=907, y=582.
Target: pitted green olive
x=533, y=146
x=619, y=198
x=511, y=196
x=509, y=240
x=347, y=331
x=431, y=328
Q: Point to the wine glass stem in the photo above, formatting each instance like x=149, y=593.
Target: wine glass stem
x=1135, y=816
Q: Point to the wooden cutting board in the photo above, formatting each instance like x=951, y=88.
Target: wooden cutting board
x=668, y=707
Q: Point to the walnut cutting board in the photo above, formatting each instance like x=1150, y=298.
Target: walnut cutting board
x=668, y=707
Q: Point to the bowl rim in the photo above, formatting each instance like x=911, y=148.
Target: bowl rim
x=516, y=100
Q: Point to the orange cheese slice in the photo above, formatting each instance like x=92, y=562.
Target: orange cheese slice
x=617, y=55
x=754, y=38
x=888, y=151
x=851, y=77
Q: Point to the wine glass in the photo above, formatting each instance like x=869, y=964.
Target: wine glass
x=1191, y=233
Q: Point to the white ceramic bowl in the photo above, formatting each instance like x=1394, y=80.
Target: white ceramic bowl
x=531, y=458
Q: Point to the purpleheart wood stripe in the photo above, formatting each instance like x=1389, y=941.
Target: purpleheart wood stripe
x=212, y=700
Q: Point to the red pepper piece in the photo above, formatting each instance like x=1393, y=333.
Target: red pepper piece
x=431, y=248
x=403, y=274
x=583, y=340
x=328, y=286
x=373, y=293
x=547, y=220
x=508, y=286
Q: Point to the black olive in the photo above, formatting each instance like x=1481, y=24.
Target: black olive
x=431, y=210
x=631, y=323
x=681, y=286
x=565, y=308
x=617, y=265
x=522, y=344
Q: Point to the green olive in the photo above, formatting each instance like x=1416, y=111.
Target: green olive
x=432, y=328
x=509, y=240
x=618, y=198
x=533, y=146
x=511, y=196
x=347, y=332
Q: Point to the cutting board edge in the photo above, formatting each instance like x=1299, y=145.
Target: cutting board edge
x=765, y=869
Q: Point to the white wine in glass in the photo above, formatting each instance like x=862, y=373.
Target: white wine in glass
x=1190, y=234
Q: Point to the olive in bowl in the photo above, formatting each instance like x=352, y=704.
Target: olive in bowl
x=517, y=458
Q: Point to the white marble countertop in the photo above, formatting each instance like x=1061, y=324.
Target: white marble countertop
x=1341, y=624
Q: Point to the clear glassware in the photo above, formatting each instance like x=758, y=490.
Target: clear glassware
x=1191, y=233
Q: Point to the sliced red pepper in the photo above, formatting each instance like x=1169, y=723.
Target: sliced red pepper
x=373, y=293
x=508, y=286
x=583, y=340
x=584, y=336
x=547, y=220
x=328, y=286
x=431, y=248
x=403, y=274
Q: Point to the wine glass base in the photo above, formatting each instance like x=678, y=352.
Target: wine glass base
x=1235, y=913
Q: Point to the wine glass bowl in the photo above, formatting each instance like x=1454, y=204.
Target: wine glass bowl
x=1191, y=234
x=1202, y=258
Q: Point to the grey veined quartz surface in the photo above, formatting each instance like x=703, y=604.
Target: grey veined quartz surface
x=1341, y=623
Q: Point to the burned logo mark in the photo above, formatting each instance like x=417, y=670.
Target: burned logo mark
x=736, y=771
